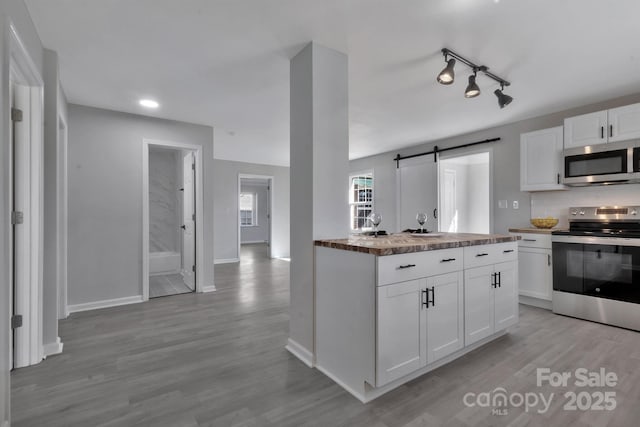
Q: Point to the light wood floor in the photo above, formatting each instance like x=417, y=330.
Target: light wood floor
x=219, y=360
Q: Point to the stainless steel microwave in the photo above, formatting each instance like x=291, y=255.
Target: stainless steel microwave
x=611, y=163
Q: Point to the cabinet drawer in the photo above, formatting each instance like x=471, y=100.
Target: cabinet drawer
x=403, y=267
x=533, y=240
x=477, y=256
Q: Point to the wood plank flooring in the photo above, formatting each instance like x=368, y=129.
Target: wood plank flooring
x=219, y=360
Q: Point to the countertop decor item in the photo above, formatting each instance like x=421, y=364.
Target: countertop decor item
x=548, y=222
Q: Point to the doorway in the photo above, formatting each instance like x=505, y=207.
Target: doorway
x=172, y=212
x=464, y=193
x=255, y=201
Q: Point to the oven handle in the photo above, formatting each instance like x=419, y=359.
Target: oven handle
x=588, y=240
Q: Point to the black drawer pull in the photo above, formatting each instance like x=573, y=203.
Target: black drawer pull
x=507, y=251
x=482, y=254
x=425, y=301
x=529, y=240
x=448, y=260
x=402, y=267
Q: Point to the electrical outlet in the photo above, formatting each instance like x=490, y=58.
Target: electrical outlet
x=502, y=204
x=516, y=205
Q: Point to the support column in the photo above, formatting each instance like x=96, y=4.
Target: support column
x=319, y=144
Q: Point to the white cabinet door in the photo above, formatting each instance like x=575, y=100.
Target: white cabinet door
x=624, y=123
x=535, y=273
x=417, y=186
x=541, y=165
x=587, y=129
x=400, y=332
x=445, y=316
x=478, y=303
x=506, y=296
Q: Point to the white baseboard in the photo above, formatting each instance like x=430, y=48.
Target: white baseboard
x=53, y=348
x=165, y=273
x=211, y=288
x=300, y=352
x=105, y=303
x=535, y=302
x=226, y=260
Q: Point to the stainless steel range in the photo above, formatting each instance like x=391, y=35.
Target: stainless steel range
x=596, y=266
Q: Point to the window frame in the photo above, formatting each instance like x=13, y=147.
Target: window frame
x=254, y=211
x=367, y=205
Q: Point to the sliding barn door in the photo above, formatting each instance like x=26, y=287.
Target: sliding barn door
x=417, y=191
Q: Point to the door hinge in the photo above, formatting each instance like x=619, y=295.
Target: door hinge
x=193, y=268
x=17, y=218
x=16, y=115
x=16, y=321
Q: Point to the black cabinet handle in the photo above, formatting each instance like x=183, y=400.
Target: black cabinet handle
x=548, y=259
x=481, y=255
x=402, y=267
x=425, y=302
x=558, y=178
x=610, y=131
x=435, y=214
x=529, y=240
x=499, y=279
x=601, y=132
x=433, y=296
x=507, y=251
x=493, y=280
x=448, y=260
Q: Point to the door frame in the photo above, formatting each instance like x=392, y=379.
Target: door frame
x=465, y=153
x=271, y=191
x=197, y=149
x=29, y=349
x=63, y=214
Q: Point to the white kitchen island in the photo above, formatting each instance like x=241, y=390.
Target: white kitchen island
x=389, y=309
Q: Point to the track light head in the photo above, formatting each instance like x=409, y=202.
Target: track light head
x=502, y=98
x=472, y=89
x=447, y=75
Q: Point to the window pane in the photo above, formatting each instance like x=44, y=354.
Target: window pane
x=361, y=200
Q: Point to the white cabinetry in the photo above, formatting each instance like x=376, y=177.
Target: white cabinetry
x=617, y=124
x=535, y=268
x=421, y=320
x=490, y=290
x=541, y=165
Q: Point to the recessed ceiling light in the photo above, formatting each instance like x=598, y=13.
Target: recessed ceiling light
x=149, y=103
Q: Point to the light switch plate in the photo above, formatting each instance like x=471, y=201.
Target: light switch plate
x=502, y=204
x=516, y=205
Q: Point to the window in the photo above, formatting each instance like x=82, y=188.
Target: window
x=360, y=200
x=248, y=209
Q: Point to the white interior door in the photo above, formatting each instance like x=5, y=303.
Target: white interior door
x=188, y=218
x=417, y=192
x=448, y=208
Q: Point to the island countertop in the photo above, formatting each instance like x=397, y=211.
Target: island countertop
x=402, y=243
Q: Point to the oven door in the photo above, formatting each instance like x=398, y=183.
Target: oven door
x=603, y=267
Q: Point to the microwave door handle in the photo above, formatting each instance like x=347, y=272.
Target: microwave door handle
x=601, y=132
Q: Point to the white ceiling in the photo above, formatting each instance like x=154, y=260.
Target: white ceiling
x=225, y=63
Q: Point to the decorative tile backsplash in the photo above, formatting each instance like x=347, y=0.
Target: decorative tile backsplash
x=557, y=203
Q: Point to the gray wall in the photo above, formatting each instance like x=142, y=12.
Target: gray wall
x=225, y=193
x=10, y=11
x=260, y=232
x=164, y=200
x=506, y=158
x=105, y=199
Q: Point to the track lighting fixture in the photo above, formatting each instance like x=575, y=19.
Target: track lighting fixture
x=446, y=77
x=472, y=89
x=502, y=98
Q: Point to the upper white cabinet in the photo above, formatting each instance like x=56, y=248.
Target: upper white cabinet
x=617, y=124
x=587, y=129
x=541, y=165
x=624, y=123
